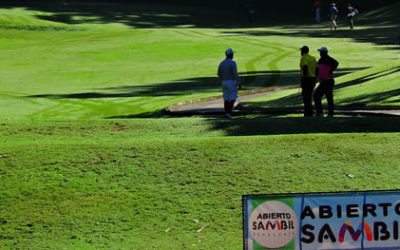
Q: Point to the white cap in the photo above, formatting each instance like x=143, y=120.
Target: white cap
x=323, y=49
x=229, y=51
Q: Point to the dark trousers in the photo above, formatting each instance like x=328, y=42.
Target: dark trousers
x=228, y=106
x=325, y=87
x=307, y=89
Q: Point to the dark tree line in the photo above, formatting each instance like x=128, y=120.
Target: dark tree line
x=278, y=5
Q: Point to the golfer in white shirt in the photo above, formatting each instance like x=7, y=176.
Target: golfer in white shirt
x=228, y=73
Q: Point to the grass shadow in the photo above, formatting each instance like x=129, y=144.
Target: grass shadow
x=299, y=125
x=175, y=88
x=381, y=35
x=369, y=77
x=198, y=14
x=152, y=14
x=360, y=101
x=250, y=81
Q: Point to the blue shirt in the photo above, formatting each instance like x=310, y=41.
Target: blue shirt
x=227, y=70
x=333, y=10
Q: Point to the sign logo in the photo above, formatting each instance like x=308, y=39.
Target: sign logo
x=273, y=224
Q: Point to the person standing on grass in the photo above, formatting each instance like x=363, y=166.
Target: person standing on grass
x=317, y=7
x=228, y=73
x=308, y=67
x=352, y=12
x=251, y=11
x=334, y=12
x=326, y=66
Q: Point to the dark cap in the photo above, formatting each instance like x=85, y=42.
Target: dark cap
x=323, y=49
x=229, y=52
x=305, y=49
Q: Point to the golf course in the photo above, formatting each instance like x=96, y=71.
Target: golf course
x=90, y=157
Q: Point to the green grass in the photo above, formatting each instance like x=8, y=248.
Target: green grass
x=375, y=87
x=122, y=184
x=109, y=70
x=71, y=179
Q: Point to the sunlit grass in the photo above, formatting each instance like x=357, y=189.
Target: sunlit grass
x=69, y=178
x=112, y=59
x=154, y=183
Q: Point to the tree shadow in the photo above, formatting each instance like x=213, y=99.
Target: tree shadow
x=144, y=14
x=175, y=88
x=381, y=35
x=252, y=80
x=281, y=78
x=361, y=101
x=198, y=14
x=299, y=125
x=369, y=77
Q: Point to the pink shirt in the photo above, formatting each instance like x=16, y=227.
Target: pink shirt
x=325, y=71
x=326, y=66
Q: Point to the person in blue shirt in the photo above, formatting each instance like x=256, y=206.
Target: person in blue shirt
x=334, y=12
x=228, y=74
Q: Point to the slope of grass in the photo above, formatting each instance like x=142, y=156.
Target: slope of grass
x=144, y=184
x=384, y=15
x=373, y=87
x=22, y=17
x=109, y=70
x=376, y=87
x=69, y=180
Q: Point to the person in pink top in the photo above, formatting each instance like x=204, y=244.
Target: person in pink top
x=326, y=66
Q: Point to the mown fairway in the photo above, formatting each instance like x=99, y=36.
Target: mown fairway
x=145, y=184
x=75, y=175
x=53, y=70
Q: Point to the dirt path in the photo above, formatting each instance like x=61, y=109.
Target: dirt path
x=214, y=105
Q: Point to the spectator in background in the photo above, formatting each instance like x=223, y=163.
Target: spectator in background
x=251, y=11
x=352, y=12
x=317, y=7
x=334, y=12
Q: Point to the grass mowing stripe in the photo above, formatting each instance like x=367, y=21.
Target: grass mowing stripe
x=88, y=76
x=89, y=183
x=170, y=184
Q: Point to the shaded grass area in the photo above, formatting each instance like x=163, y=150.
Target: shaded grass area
x=200, y=14
x=381, y=34
x=155, y=183
x=109, y=70
x=18, y=132
x=205, y=85
x=378, y=26
x=164, y=183
x=370, y=88
x=139, y=15
x=299, y=125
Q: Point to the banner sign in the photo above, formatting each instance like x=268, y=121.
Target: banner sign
x=331, y=221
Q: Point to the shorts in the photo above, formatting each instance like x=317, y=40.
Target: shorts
x=230, y=90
